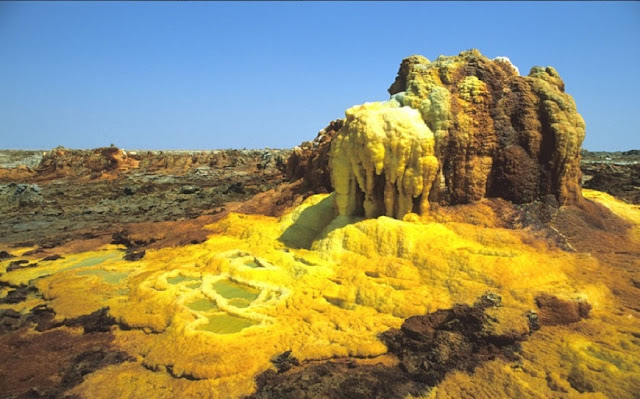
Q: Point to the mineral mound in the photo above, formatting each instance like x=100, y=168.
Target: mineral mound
x=457, y=130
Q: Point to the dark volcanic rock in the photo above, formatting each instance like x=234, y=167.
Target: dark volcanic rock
x=285, y=361
x=98, y=321
x=134, y=255
x=427, y=347
x=18, y=294
x=21, y=195
x=101, y=191
x=10, y=320
x=90, y=361
x=52, y=257
x=49, y=363
x=43, y=317
x=620, y=179
x=18, y=264
x=40, y=316
x=122, y=238
x=337, y=380
x=189, y=189
x=455, y=339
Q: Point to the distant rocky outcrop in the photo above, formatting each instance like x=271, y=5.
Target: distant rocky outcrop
x=110, y=162
x=92, y=193
x=457, y=130
x=61, y=162
x=616, y=173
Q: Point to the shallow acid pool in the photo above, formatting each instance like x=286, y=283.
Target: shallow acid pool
x=224, y=323
x=181, y=279
x=106, y=276
x=202, y=305
x=239, y=295
x=252, y=264
x=94, y=260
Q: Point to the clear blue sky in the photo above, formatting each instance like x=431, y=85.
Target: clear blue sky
x=203, y=75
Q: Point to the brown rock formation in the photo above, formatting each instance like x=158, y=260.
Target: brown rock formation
x=64, y=162
x=489, y=133
x=310, y=160
x=554, y=311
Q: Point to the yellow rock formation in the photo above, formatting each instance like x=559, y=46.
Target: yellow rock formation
x=383, y=147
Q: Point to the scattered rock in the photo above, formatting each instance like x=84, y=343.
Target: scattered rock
x=18, y=264
x=121, y=238
x=555, y=311
x=21, y=194
x=5, y=255
x=534, y=320
x=284, y=361
x=337, y=380
x=18, y=294
x=49, y=363
x=41, y=316
x=10, y=320
x=44, y=318
x=98, y=321
x=103, y=190
x=488, y=300
x=237, y=188
x=621, y=179
x=90, y=361
x=459, y=338
x=189, y=189
x=33, y=252
x=134, y=255
x=53, y=257
x=53, y=243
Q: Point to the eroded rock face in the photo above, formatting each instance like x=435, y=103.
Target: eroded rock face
x=555, y=311
x=457, y=130
x=310, y=160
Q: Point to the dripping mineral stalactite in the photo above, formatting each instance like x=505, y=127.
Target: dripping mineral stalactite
x=385, y=155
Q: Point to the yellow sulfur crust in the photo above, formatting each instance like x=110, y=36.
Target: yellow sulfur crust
x=204, y=320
